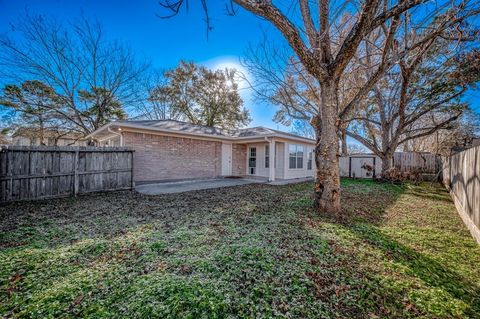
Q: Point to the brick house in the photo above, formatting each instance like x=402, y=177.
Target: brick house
x=173, y=150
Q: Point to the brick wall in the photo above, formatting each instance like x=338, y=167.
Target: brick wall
x=159, y=157
x=239, y=159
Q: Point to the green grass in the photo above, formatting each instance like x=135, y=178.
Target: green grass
x=253, y=251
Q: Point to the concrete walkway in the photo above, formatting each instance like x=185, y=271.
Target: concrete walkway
x=193, y=185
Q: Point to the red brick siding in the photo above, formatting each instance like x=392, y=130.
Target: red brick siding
x=160, y=157
x=239, y=159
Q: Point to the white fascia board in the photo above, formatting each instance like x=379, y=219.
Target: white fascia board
x=101, y=129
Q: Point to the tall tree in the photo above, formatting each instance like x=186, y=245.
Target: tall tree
x=420, y=97
x=206, y=97
x=34, y=105
x=94, y=78
x=312, y=35
x=459, y=133
x=154, y=103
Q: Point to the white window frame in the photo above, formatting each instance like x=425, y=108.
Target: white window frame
x=248, y=161
x=298, y=149
x=267, y=156
x=309, y=159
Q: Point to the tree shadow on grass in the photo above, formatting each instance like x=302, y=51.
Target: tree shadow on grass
x=365, y=213
x=431, y=272
x=366, y=201
x=431, y=192
x=431, y=285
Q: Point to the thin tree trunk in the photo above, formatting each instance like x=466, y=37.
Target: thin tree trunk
x=42, y=130
x=327, y=182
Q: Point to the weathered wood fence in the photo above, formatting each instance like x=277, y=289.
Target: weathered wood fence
x=429, y=165
x=461, y=176
x=425, y=163
x=28, y=172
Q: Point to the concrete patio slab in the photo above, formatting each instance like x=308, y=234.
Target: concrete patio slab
x=290, y=181
x=193, y=185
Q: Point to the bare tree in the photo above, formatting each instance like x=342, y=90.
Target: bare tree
x=303, y=128
x=419, y=97
x=94, y=78
x=460, y=133
x=156, y=103
x=313, y=37
x=280, y=79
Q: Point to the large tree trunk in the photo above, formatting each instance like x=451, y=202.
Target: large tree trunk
x=387, y=162
x=327, y=182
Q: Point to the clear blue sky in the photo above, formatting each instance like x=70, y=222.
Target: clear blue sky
x=163, y=41
x=166, y=41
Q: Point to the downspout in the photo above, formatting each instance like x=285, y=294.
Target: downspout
x=117, y=134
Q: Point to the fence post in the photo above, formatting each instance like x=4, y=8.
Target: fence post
x=75, y=175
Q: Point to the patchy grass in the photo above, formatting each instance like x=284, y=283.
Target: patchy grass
x=249, y=251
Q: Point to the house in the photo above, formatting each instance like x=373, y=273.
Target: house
x=28, y=136
x=174, y=150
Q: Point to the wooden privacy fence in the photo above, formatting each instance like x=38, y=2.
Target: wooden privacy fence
x=425, y=163
x=28, y=172
x=461, y=176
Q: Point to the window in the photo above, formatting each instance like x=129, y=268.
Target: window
x=267, y=156
x=295, y=156
x=309, y=159
x=252, y=161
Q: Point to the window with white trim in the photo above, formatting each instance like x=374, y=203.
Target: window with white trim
x=267, y=156
x=252, y=161
x=295, y=156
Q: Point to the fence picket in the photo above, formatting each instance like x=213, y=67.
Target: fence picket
x=44, y=172
x=461, y=176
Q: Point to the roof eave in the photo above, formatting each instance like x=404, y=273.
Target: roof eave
x=101, y=129
x=210, y=136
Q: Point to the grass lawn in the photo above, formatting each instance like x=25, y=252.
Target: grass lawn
x=254, y=251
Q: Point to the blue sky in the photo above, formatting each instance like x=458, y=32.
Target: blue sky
x=166, y=41
x=163, y=41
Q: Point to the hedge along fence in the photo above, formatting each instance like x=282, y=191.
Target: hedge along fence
x=461, y=176
x=40, y=172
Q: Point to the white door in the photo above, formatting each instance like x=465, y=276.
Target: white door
x=226, y=159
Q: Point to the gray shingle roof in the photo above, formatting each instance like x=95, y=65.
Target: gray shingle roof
x=189, y=128
x=177, y=126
